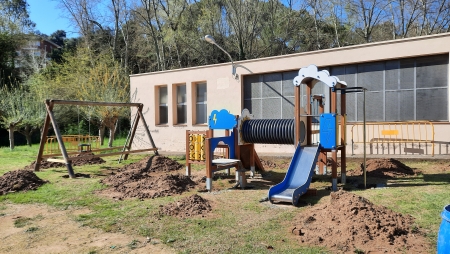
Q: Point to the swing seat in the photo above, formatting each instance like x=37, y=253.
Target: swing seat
x=82, y=148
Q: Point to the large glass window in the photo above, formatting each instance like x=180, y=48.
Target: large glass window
x=200, y=105
x=398, y=90
x=270, y=96
x=163, y=106
x=181, y=104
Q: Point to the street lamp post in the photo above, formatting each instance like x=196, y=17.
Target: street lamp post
x=211, y=40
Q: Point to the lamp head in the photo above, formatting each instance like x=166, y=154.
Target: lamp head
x=210, y=39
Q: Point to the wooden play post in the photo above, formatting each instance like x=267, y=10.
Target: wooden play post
x=50, y=117
x=48, y=108
x=334, y=152
x=297, y=133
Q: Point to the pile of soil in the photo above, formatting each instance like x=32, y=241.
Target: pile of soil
x=78, y=162
x=44, y=165
x=187, y=207
x=19, y=180
x=143, y=187
x=154, y=163
x=140, y=179
x=90, y=161
x=350, y=223
x=383, y=168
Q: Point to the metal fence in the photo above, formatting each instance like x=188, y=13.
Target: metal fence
x=415, y=137
x=71, y=142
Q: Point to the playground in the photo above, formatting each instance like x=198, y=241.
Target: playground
x=221, y=196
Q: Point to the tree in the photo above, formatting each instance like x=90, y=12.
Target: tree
x=81, y=77
x=33, y=116
x=244, y=26
x=12, y=104
x=8, y=45
x=107, y=82
x=367, y=14
x=14, y=17
x=14, y=22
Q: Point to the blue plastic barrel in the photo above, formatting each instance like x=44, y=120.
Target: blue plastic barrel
x=443, y=242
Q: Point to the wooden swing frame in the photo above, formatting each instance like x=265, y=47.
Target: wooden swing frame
x=50, y=118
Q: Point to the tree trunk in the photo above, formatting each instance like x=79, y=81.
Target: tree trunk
x=101, y=133
x=112, y=130
x=28, y=132
x=11, y=137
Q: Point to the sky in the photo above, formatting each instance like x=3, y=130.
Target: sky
x=48, y=17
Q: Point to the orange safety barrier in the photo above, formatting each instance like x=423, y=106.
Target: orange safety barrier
x=72, y=143
x=392, y=135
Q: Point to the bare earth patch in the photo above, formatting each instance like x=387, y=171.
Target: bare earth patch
x=19, y=180
x=187, y=207
x=384, y=168
x=352, y=224
x=49, y=230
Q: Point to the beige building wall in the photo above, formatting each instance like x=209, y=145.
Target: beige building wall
x=226, y=92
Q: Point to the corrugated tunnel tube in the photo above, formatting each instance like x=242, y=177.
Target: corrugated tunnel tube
x=268, y=131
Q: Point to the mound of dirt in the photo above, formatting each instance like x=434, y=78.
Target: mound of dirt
x=383, y=168
x=352, y=224
x=187, y=207
x=142, y=187
x=19, y=180
x=89, y=161
x=140, y=179
x=153, y=163
x=78, y=162
x=45, y=165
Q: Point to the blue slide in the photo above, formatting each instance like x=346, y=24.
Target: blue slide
x=298, y=176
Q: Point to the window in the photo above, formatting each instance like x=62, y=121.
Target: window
x=181, y=104
x=270, y=96
x=398, y=90
x=200, y=104
x=163, y=107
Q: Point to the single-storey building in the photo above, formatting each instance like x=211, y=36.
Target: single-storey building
x=406, y=102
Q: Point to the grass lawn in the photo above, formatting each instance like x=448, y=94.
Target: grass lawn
x=239, y=222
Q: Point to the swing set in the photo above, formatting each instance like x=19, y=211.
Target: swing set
x=86, y=147
x=80, y=142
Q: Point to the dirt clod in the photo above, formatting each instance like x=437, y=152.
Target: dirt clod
x=350, y=223
x=383, y=168
x=187, y=207
x=19, y=180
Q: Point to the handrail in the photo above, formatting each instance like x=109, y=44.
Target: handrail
x=411, y=132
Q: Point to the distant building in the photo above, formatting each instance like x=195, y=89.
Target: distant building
x=35, y=53
x=39, y=47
